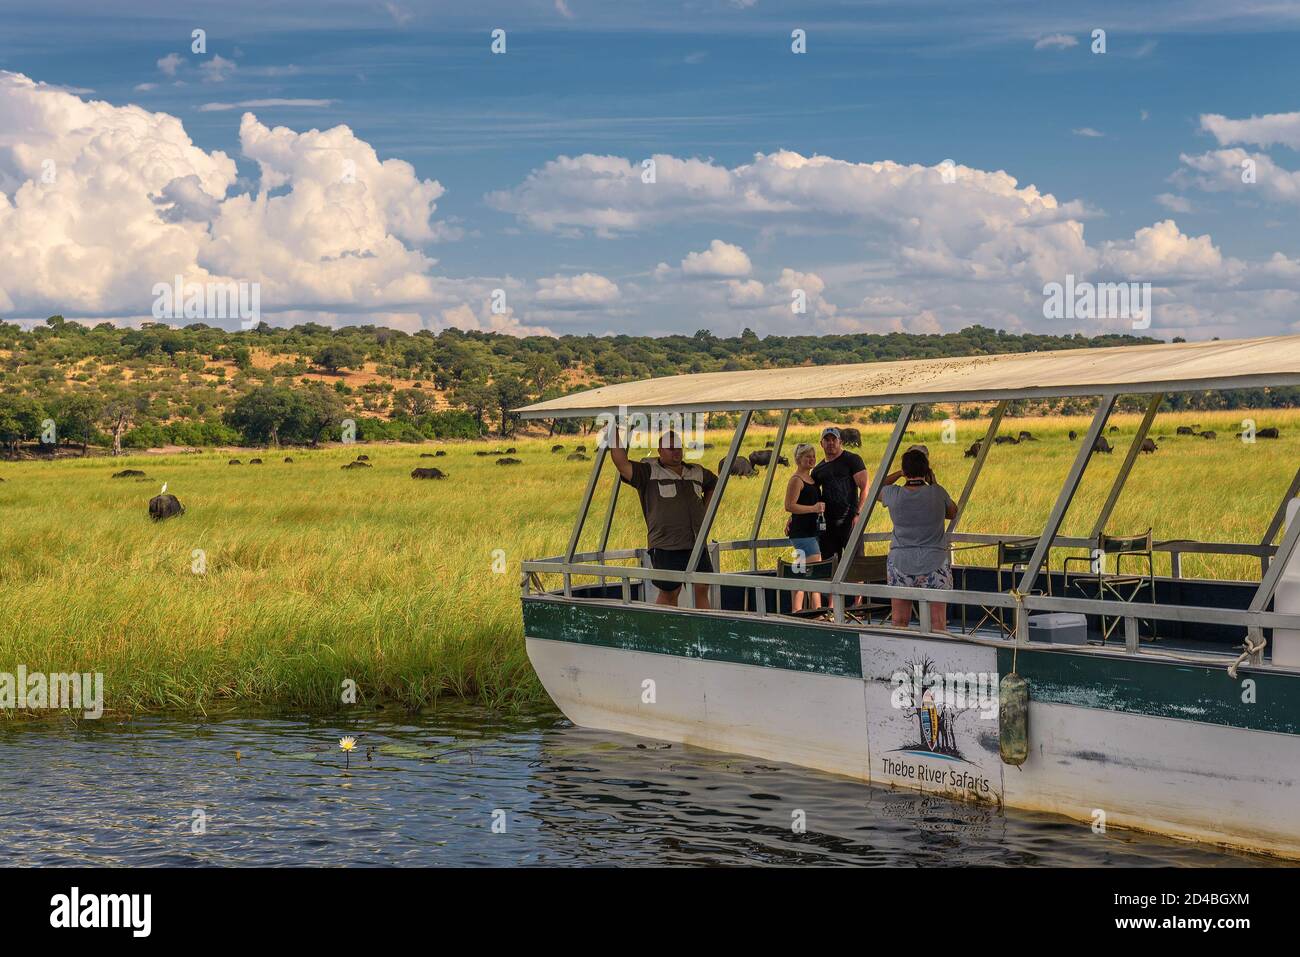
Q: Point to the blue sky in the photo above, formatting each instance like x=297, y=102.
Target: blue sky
x=1009, y=88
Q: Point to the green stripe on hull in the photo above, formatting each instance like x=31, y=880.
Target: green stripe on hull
x=1160, y=689
x=1132, y=685
x=746, y=641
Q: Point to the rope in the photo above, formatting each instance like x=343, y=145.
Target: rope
x=1251, y=649
x=1020, y=607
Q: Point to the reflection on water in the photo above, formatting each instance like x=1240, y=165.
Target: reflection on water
x=427, y=789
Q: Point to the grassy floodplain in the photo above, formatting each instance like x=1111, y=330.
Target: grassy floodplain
x=315, y=574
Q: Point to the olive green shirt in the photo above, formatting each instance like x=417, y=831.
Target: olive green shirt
x=673, y=505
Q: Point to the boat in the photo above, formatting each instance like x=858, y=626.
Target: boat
x=1176, y=711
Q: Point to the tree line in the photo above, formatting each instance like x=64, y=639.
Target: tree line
x=199, y=385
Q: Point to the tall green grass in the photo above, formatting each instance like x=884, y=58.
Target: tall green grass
x=315, y=575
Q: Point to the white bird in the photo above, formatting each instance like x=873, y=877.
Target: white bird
x=164, y=488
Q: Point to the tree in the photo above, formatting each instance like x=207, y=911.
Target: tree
x=413, y=403
x=337, y=356
x=117, y=412
x=20, y=419
x=509, y=393
x=10, y=429
x=75, y=416
x=542, y=371
x=262, y=413
x=476, y=396
x=317, y=409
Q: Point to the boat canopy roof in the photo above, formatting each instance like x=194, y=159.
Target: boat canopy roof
x=1158, y=367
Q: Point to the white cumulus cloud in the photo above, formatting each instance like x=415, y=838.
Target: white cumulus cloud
x=979, y=224
x=745, y=293
x=170, y=63
x=98, y=203
x=922, y=250
x=217, y=69
x=1162, y=252
x=1271, y=129
x=1237, y=170
x=582, y=291
x=720, y=261
x=1175, y=204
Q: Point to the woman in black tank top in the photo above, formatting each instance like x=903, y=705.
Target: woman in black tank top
x=804, y=524
x=803, y=501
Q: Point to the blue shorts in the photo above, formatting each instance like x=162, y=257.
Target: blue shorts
x=809, y=547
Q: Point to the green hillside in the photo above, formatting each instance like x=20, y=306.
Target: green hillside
x=108, y=386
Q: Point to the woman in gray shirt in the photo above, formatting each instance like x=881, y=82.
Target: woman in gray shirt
x=918, y=548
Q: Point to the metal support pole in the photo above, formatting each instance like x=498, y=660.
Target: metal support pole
x=1059, y=509
x=715, y=558
x=1279, y=516
x=703, y=535
x=609, y=514
x=592, y=480
x=609, y=519
x=1268, y=583
x=998, y=411
x=846, y=559
x=1133, y=450
x=767, y=488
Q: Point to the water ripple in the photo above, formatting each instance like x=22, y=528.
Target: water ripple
x=427, y=790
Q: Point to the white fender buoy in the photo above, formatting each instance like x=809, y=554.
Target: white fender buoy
x=1013, y=719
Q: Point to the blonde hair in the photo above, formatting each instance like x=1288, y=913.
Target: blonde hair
x=801, y=449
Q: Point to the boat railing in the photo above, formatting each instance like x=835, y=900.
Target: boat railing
x=596, y=565
x=1175, y=548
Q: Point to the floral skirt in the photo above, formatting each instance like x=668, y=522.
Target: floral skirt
x=939, y=578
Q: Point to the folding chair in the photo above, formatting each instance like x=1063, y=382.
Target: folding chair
x=1123, y=587
x=1013, y=557
x=863, y=570
x=812, y=571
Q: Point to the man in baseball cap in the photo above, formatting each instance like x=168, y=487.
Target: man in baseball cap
x=842, y=479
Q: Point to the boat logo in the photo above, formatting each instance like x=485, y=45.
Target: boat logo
x=935, y=699
x=930, y=720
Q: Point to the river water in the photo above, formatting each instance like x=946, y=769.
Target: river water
x=462, y=785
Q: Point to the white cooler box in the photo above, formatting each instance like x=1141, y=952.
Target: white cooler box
x=1059, y=627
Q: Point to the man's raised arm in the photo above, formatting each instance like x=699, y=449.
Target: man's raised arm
x=617, y=452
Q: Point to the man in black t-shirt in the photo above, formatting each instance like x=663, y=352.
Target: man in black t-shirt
x=842, y=478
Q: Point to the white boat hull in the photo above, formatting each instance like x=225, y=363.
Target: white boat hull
x=1181, y=777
